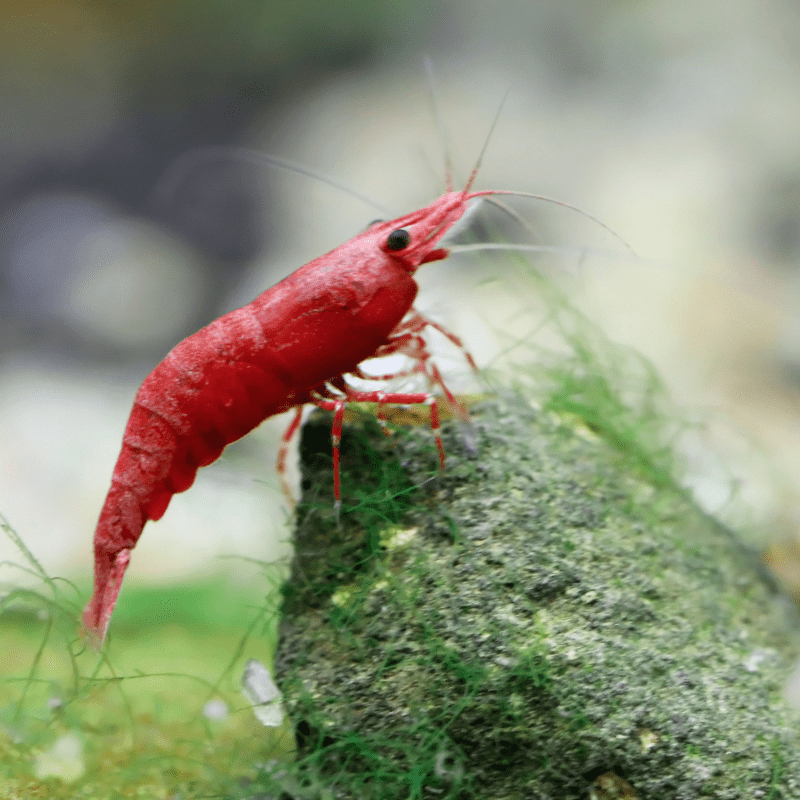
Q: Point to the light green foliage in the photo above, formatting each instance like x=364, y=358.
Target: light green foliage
x=129, y=722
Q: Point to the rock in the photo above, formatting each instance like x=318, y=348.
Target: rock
x=535, y=619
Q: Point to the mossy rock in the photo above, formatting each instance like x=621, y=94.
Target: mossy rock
x=537, y=616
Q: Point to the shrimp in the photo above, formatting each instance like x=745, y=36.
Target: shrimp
x=296, y=343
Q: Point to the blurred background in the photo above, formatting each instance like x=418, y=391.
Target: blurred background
x=674, y=122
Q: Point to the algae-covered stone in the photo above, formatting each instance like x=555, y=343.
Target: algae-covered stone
x=534, y=618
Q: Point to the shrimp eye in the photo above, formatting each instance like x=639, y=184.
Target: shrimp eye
x=398, y=240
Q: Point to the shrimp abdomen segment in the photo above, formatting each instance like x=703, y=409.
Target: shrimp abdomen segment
x=212, y=389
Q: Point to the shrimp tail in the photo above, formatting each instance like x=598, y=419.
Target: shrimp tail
x=118, y=529
x=109, y=571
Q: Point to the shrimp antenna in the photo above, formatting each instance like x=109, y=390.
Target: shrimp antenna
x=180, y=166
x=441, y=134
x=511, y=247
x=506, y=209
x=474, y=173
x=493, y=192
